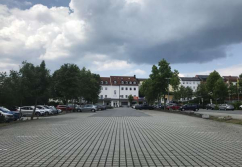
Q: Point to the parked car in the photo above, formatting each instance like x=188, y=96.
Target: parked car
x=173, y=107
x=193, y=107
x=46, y=110
x=135, y=106
x=101, y=107
x=28, y=111
x=8, y=116
x=145, y=107
x=58, y=111
x=226, y=107
x=53, y=111
x=210, y=106
x=240, y=107
x=64, y=107
x=16, y=114
x=159, y=106
x=89, y=107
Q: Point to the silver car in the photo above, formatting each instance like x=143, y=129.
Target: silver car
x=89, y=107
x=226, y=107
x=28, y=111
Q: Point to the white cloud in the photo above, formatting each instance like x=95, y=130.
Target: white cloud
x=137, y=72
x=111, y=65
x=235, y=70
x=46, y=33
x=117, y=35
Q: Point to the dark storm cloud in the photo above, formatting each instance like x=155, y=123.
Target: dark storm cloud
x=179, y=31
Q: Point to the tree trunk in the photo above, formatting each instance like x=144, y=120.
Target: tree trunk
x=20, y=111
x=164, y=102
x=33, y=114
x=66, y=105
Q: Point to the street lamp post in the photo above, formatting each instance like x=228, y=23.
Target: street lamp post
x=168, y=88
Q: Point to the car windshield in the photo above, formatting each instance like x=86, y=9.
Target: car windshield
x=5, y=110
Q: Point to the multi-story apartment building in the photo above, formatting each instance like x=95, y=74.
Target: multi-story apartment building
x=116, y=89
x=191, y=82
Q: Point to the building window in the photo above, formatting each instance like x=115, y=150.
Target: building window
x=121, y=96
x=122, y=82
x=106, y=88
x=115, y=92
x=134, y=95
x=130, y=88
x=101, y=88
x=126, y=96
x=130, y=83
x=126, y=88
x=122, y=88
x=193, y=82
x=134, y=88
x=101, y=97
x=114, y=82
x=126, y=82
x=183, y=83
x=187, y=82
x=134, y=82
x=101, y=82
x=106, y=82
x=106, y=96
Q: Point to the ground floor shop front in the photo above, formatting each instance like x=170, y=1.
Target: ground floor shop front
x=119, y=102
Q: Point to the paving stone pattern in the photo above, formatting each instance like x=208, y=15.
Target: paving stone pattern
x=127, y=138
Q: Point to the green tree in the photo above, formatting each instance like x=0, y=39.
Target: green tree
x=180, y=93
x=220, y=90
x=66, y=83
x=36, y=80
x=175, y=80
x=159, y=77
x=211, y=81
x=189, y=93
x=147, y=90
x=130, y=99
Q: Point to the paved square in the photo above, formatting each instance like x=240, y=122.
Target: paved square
x=121, y=137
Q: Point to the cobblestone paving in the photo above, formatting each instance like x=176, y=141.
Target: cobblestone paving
x=128, y=138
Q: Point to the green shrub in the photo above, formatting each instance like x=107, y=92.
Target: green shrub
x=216, y=107
x=236, y=105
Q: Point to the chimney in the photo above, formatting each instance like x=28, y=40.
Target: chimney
x=135, y=76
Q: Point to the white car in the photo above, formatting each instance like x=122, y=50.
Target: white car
x=240, y=107
x=45, y=110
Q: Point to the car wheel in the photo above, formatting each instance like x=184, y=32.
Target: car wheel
x=183, y=109
x=93, y=110
x=37, y=114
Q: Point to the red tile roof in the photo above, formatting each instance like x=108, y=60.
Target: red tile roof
x=231, y=78
x=119, y=80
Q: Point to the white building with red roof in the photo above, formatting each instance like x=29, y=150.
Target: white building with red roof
x=116, y=89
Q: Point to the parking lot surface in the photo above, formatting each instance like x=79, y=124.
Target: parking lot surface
x=121, y=137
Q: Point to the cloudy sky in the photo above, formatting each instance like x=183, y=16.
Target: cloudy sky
x=123, y=37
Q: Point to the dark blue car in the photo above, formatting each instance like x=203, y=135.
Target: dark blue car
x=193, y=107
x=16, y=114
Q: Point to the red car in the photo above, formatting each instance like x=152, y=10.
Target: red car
x=63, y=107
x=174, y=107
